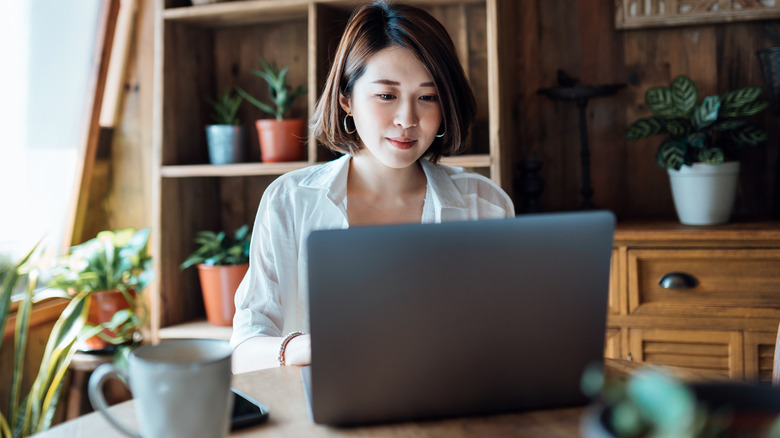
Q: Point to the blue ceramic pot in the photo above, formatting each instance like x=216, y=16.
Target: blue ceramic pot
x=226, y=143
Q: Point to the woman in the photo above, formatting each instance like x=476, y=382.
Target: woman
x=395, y=93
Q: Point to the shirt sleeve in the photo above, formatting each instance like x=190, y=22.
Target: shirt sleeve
x=271, y=281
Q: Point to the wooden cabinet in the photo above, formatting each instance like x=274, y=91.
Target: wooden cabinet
x=203, y=50
x=698, y=297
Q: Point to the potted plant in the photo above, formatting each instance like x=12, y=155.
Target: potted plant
x=280, y=139
x=34, y=412
x=225, y=137
x=702, y=146
x=222, y=263
x=112, y=269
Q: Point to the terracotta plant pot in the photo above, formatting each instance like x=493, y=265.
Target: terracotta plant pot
x=219, y=284
x=281, y=140
x=102, y=307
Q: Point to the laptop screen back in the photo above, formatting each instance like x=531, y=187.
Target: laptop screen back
x=428, y=321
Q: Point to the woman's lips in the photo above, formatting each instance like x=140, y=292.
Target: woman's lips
x=402, y=143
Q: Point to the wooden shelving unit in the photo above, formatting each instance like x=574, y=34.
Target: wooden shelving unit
x=202, y=50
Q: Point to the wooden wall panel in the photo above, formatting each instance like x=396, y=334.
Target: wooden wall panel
x=549, y=35
x=581, y=40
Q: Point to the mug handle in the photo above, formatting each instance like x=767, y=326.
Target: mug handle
x=95, y=390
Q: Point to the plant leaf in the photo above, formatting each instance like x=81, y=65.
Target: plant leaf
x=660, y=102
x=746, y=110
x=671, y=154
x=677, y=127
x=741, y=96
x=749, y=135
x=706, y=113
x=684, y=94
x=645, y=128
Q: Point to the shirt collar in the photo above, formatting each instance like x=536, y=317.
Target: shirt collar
x=332, y=176
x=442, y=186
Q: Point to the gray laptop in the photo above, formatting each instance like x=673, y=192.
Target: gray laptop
x=412, y=322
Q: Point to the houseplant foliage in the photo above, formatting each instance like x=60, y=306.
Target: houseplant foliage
x=280, y=139
x=225, y=137
x=281, y=94
x=34, y=412
x=114, y=260
x=222, y=262
x=711, y=131
x=225, y=108
x=220, y=249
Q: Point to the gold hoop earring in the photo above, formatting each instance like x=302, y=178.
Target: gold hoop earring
x=345, y=124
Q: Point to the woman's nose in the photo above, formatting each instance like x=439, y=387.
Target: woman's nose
x=406, y=116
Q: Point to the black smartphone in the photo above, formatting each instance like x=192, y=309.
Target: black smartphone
x=246, y=411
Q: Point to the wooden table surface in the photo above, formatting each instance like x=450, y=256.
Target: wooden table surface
x=282, y=391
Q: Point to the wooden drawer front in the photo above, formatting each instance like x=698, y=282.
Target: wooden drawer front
x=743, y=283
x=759, y=355
x=709, y=350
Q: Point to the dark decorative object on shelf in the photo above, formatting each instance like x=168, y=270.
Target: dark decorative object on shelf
x=529, y=185
x=770, y=65
x=580, y=94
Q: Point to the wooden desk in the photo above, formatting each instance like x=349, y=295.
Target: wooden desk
x=281, y=390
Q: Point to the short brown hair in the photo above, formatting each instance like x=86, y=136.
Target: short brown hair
x=372, y=28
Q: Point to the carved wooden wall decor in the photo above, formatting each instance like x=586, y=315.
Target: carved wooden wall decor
x=633, y=14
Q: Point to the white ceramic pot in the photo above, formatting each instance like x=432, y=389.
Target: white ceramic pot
x=704, y=193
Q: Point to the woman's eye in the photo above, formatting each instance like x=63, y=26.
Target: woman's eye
x=386, y=96
x=430, y=98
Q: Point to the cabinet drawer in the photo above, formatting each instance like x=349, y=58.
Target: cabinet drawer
x=708, y=350
x=743, y=283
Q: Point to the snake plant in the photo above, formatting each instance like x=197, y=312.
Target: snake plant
x=34, y=412
x=711, y=131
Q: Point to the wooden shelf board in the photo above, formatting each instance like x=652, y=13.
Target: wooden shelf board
x=236, y=13
x=472, y=160
x=249, y=169
x=239, y=169
x=196, y=330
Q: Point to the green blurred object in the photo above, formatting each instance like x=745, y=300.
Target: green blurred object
x=652, y=403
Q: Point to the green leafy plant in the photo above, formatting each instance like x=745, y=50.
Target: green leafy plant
x=281, y=94
x=217, y=248
x=34, y=412
x=711, y=131
x=113, y=260
x=225, y=108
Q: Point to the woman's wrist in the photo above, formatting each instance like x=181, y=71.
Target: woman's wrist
x=298, y=350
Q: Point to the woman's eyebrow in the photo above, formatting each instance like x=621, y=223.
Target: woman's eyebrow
x=396, y=83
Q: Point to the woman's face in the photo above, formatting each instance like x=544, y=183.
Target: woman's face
x=395, y=107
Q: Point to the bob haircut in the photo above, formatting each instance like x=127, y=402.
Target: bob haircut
x=377, y=26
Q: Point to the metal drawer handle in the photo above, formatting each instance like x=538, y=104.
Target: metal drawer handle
x=678, y=280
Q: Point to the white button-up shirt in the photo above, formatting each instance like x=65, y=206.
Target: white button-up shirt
x=272, y=299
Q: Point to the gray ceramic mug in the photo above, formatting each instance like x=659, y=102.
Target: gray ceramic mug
x=181, y=388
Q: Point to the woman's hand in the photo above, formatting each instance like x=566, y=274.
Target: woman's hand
x=298, y=351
